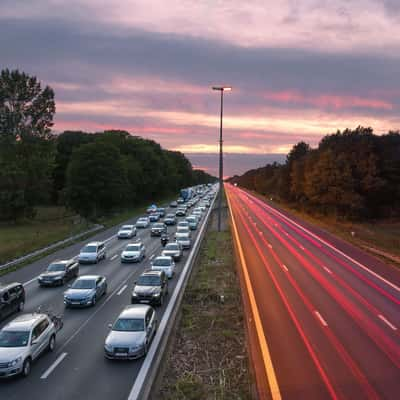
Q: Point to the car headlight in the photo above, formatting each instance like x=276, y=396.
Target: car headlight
x=134, y=294
x=108, y=347
x=13, y=363
x=156, y=294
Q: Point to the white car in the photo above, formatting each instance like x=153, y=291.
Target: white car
x=92, y=253
x=184, y=224
x=23, y=340
x=133, y=252
x=143, y=222
x=127, y=232
x=164, y=263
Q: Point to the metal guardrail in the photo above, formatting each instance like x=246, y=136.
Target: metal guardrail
x=47, y=248
x=146, y=378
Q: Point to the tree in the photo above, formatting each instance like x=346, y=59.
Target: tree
x=96, y=179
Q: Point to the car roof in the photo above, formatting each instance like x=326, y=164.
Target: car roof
x=163, y=257
x=25, y=321
x=62, y=262
x=83, y=277
x=135, y=311
x=151, y=272
x=94, y=243
x=127, y=226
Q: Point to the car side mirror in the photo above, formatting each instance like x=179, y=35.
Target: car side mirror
x=110, y=326
x=69, y=286
x=135, y=282
x=34, y=341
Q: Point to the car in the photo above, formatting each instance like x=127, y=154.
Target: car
x=151, y=287
x=183, y=223
x=170, y=219
x=173, y=204
x=202, y=207
x=59, y=272
x=164, y=263
x=23, y=340
x=127, y=232
x=92, y=253
x=197, y=213
x=161, y=211
x=180, y=212
x=184, y=228
x=158, y=229
x=85, y=291
x=12, y=299
x=173, y=249
x=142, y=222
x=151, y=209
x=132, y=333
x=193, y=222
x=133, y=252
x=154, y=217
x=184, y=239
x=180, y=200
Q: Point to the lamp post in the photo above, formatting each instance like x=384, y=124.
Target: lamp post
x=222, y=89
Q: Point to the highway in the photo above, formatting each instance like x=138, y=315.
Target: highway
x=323, y=317
x=77, y=369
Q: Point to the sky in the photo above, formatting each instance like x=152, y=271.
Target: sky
x=299, y=69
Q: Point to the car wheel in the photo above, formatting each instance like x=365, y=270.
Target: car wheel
x=21, y=306
x=94, y=301
x=26, y=368
x=52, y=343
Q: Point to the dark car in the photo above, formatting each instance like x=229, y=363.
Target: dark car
x=12, y=299
x=151, y=287
x=170, y=219
x=158, y=229
x=59, y=272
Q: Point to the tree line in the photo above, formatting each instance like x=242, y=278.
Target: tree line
x=351, y=174
x=90, y=173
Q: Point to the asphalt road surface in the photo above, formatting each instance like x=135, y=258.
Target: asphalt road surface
x=77, y=369
x=323, y=316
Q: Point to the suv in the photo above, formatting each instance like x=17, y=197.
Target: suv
x=151, y=287
x=58, y=272
x=12, y=299
x=133, y=252
x=158, y=229
x=92, y=253
x=23, y=340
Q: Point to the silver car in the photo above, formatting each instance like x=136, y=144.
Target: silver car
x=183, y=238
x=131, y=333
x=164, y=263
x=142, y=222
x=23, y=340
x=92, y=253
x=133, y=252
x=126, y=232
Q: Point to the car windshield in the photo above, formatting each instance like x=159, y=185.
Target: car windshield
x=133, y=247
x=14, y=339
x=149, y=280
x=84, y=284
x=129, y=325
x=191, y=219
x=182, y=229
x=126, y=228
x=56, y=267
x=162, y=262
x=158, y=225
x=171, y=246
x=89, y=249
x=170, y=216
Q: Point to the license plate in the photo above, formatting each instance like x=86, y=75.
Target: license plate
x=75, y=302
x=121, y=354
x=145, y=301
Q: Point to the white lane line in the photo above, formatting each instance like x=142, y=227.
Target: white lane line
x=270, y=245
x=31, y=281
x=387, y=322
x=152, y=256
x=327, y=270
x=285, y=267
x=392, y=285
x=114, y=257
x=121, y=290
x=323, y=322
x=54, y=365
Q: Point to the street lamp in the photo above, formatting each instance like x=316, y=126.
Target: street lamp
x=222, y=89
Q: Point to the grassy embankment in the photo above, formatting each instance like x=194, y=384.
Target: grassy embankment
x=208, y=357
x=380, y=238
x=51, y=225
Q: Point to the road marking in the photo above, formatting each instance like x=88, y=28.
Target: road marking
x=269, y=368
x=302, y=247
x=114, y=257
x=327, y=270
x=152, y=256
x=121, y=290
x=53, y=366
x=285, y=267
x=270, y=245
x=395, y=287
x=323, y=322
x=32, y=280
x=387, y=322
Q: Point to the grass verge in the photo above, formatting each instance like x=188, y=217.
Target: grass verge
x=208, y=358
